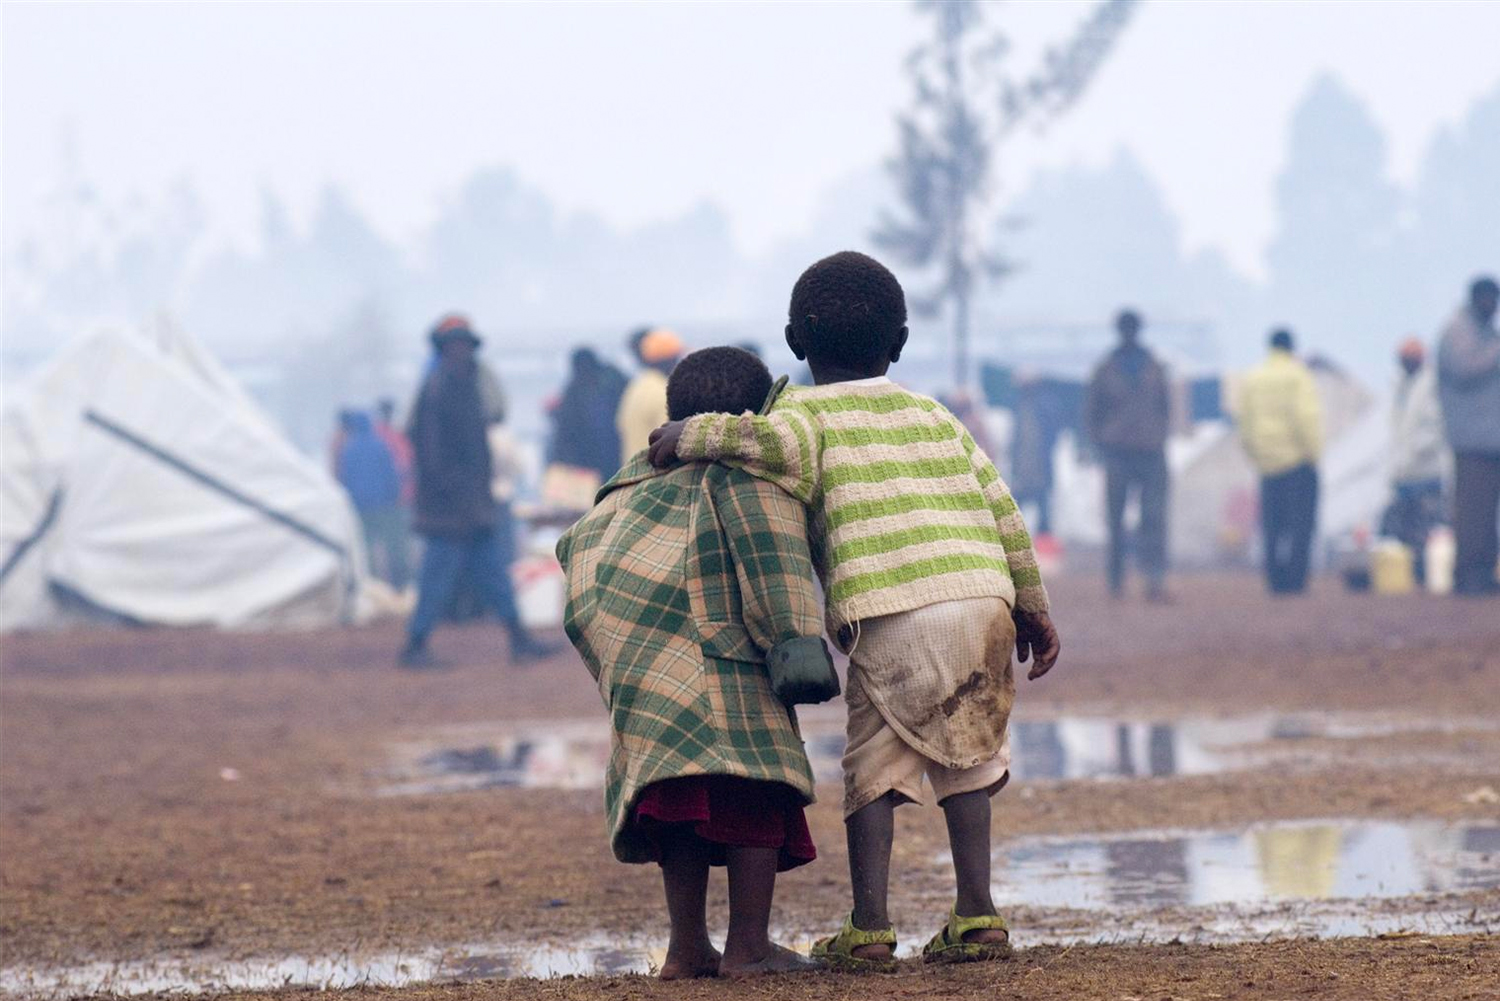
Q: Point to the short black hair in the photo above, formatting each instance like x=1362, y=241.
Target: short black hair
x=848, y=308
x=717, y=380
x=1128, y=318
x=1282, y=339
x=635, y=338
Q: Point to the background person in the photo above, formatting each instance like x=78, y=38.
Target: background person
x=456, y=510
x=1419, y=455
x=400, y=445
x=583, y=423
x=395, y=439
x=643, y=406
x=1281, y=427
x=367, y=471
x=1031, y=455
x=1127, y=415
x=1469, y=385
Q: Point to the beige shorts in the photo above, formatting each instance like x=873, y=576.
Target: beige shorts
x=878, y=761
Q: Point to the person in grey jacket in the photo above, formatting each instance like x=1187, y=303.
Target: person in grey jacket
x=1469, y=387
x=1127, y=415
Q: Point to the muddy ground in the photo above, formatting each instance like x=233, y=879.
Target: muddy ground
x=1346, y=970
x=182, y=793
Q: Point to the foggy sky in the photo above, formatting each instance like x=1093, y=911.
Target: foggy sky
x=636, y=113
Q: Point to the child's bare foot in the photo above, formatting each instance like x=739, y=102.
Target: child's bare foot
x=778, y=960
x=690, y=964
x=988, y=936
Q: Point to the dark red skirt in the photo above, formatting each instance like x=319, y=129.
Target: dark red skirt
x=727, y=811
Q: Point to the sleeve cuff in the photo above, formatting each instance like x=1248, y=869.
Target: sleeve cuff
x=695, y=436
x=1033, y=599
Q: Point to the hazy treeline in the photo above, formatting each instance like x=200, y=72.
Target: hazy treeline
x=1356, y=262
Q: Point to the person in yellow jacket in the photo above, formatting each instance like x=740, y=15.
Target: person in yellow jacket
x=1281, y=426
x=643, y=406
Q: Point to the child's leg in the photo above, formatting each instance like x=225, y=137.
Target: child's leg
x=684, y=871
x=748, y=948
x=870, y=833
x=752, y=882
x=968, y=816
x=880, y=772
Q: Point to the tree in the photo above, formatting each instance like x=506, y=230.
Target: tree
x=964, y=109
x=1457, y=205
x=1334, y=261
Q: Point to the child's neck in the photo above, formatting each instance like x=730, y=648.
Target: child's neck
x=823, y=373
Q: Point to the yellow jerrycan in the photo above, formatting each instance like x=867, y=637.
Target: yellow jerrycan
x=1391, y=568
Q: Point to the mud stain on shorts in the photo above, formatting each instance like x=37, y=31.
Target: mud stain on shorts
x=968, y=687
x=999, y=652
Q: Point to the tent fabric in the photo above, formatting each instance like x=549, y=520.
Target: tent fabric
x=137, y=477
x=1215, y=489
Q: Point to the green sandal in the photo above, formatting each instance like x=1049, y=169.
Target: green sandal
x=948, y=945
x=838, y=950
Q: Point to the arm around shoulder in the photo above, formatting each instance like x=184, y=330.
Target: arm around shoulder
x=781, y=447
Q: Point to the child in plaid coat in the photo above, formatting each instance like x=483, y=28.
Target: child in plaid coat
x=680, y=581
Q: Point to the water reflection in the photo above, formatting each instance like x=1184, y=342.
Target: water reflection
x=1093, y=747
x=567, y=754
x=1355, y=860
x=572, y=754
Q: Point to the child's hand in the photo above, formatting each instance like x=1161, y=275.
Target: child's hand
x=1036, y=638
x=664, y=444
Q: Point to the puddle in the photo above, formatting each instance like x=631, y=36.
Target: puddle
x=1305, y=879
x=1321, y=879
x=1093, y=747
x=208, y=974
x=1364, y=860
x=568, y=754
x=572, y=754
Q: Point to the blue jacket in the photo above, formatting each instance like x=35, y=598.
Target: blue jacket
x=366, y=467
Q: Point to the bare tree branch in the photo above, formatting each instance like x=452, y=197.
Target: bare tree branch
x=963, y=108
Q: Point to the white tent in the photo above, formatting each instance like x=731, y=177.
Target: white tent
x=138, y=482
x=1356, y=477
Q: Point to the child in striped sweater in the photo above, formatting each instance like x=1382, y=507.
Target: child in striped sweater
x=931, y=583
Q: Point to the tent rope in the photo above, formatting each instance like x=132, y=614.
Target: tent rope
x=214, y=483
x=43, y=526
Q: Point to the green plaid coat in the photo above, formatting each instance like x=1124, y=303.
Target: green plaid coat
x=678, y=583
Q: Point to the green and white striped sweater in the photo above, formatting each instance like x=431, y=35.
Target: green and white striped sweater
x=907, y=510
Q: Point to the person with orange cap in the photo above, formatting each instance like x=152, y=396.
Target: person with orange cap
x=643, y=406
x=465, y=527
x=1419, y=454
